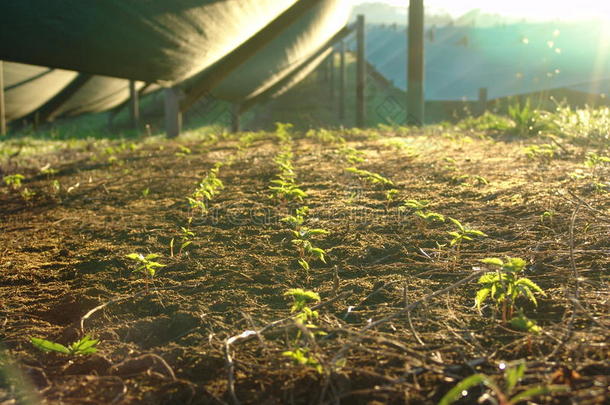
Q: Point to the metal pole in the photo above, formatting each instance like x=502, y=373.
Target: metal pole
x=342, y=84
x=134, y=105
x=415, y=74
x=2, y=109
x=173, y=117
x=482, y=105
x=360, y=74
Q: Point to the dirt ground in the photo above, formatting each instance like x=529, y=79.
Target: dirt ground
x=180, y=338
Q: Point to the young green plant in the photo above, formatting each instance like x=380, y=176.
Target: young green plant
x=81, y=347
x=508, y=395
x=304, y=318
x=505, y=285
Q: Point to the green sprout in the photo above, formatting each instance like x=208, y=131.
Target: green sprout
x=351, y=155
x=504, y=285
x=414, y=205
x=296, y=221
x=27, y=194
x=543, y=153
x=524, y=324
x=81, y=347
x=13, y=180
x=286, y=191
x=146, y=264
x=370, y=177
x=305, y=317
x=463, y=233
x=306, y=249
x=506, y=396
x=430, y=216
x=390, y=195
x=185, y=240
x=207, y=189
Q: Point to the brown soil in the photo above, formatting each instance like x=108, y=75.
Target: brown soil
x=63, y=254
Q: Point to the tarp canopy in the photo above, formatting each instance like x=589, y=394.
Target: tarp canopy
x=286, y=53
x=152, y=40
x=508, y=60
x=27, y=87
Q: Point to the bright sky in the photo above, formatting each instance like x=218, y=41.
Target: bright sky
x=531, y=9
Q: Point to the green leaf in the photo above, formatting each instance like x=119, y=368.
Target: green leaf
x=48, y=346
x=537, y=391
x=493, y=261
x=303, y=263
x=135, y=256
x=456, y=392
x=458, y=224
x=482, y=295
x=513, y=376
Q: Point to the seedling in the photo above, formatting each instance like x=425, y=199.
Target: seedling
x=543, y=153
x=547, y=216
x=504, y=285
x=13, y=180
x=185, y=240
x=283, y=132
x=430, y=216
x=305, y=316
x=373, y=178
x=390, y=195
x=524, y=324
x=506, y=396
x=351, y=155
x=307, y=251
x=286, y=191
x=145, y=192
x=463, y=233
x=146, y=264
x=81, y=347
x=27, y=194
x=183, y=151
x=296, y=221
x=207, y=189
x=414, y=205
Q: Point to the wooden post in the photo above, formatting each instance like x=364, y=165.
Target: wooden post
x=360, y=74
x=342, y=83
x=415, y=74
x=236, y=118
x=2, y=108
x=173, y=116
x=134, y=105
x=331, y=85
x=482, y=105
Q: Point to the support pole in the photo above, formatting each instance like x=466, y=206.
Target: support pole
x=2, y=108
x=173, y=116
x=235, y=118
x=342, y=83
x=331, y=64
x=415, y=74
x=134, y=105
x=482, y=104
x=360, y=74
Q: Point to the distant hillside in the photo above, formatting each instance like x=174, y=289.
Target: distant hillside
x=382, y=13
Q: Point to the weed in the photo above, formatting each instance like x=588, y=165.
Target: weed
x=27, y=194
x=527, y=120
x=506, y=396
x=505, y=285
x=81, y=347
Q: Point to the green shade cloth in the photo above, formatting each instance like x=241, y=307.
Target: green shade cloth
x=150, y=40
x=286, y=53
x=27, y=87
